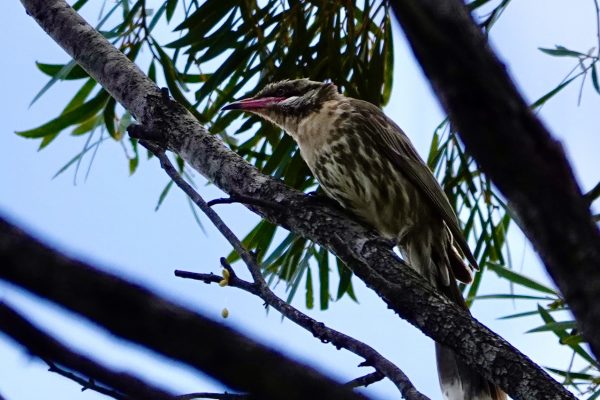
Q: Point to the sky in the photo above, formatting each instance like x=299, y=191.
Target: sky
x=109, y=219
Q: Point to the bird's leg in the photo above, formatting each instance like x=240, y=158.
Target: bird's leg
x=142, y=133
x=319, y=197
x=234, y=198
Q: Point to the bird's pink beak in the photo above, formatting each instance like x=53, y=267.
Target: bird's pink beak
x=252, y=103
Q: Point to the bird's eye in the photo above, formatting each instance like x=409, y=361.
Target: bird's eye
x=280, y=92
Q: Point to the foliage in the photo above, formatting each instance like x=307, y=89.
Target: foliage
x=220, y=50
x=227, y=49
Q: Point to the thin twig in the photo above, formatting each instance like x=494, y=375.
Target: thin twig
x=120, y=386
x=366, y=380
x=165, y=163
x=234, y=281
x=218, y=396
x=593, y=194
x=318, y=329
x=85, y=382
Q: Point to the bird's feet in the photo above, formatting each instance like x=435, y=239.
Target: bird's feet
x=319, y=197
x=144, y=134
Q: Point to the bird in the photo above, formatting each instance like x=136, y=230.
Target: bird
x=366, y=163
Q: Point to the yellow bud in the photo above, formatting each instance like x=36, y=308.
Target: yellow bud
x=225, y=313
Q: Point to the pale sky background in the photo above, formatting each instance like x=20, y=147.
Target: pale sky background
x=109, y=220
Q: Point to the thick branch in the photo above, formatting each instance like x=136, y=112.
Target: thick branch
x=137, y=314
x=51, y=351
x=511, y=144
x=362, y=250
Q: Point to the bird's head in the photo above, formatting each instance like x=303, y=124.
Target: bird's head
x=286, y=103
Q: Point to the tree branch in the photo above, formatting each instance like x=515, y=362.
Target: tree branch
x=138, y=315
x=384, y=367
x=593, y=194
x=361, y=249
x=512, y=146
x=118, y=385
x=366, y=380
x=261, y=289
x=218, y=396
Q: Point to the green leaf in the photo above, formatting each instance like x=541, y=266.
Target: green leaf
x=572, y=375
x=79, y=114
x=572, y=340
x=299, y=273
x=87, y=126
x=519, y=279
x=595, y=78
x=323, y=261
x=109, y=120
x=345, y=283
x=207, y=16
x=163, y=194
x=551, y=93
x=66, y=72
x=554, y=327
x=124, y=122
x=310, y=297
x=476, y=4
x=81, y=95
x=171, y=77
x=171, y=5
x=46, y=140
x=259, y=238
x=195, y=214
x=561, y=51
x=563, y=335
x=77, y=157
x=75, y=102
x=511, y=297
x=61, y=74
x=133, y=164
x=157, y=17
x=279, y=250
x=388, y=57
x=526, y=314
x=78, y=4
x=152, y=71
x=597, y=392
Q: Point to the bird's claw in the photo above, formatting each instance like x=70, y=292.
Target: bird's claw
x=140, y=132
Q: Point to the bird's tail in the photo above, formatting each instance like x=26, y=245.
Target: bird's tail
x=440, y=263
x=457, y=380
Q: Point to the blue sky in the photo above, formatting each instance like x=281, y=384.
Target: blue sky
x=109, y=219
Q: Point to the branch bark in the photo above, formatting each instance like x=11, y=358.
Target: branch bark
x=512, y=146
x=362, y=250
x=137, y=314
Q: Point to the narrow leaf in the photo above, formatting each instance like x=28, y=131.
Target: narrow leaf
x=519, y=279
x=163, y=195
x=79, y=114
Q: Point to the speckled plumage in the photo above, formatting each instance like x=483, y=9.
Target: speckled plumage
x=363, y=160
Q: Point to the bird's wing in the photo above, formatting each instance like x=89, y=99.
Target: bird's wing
x=401, y=152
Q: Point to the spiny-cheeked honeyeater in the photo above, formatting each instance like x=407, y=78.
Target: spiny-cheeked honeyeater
x=364, y=160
